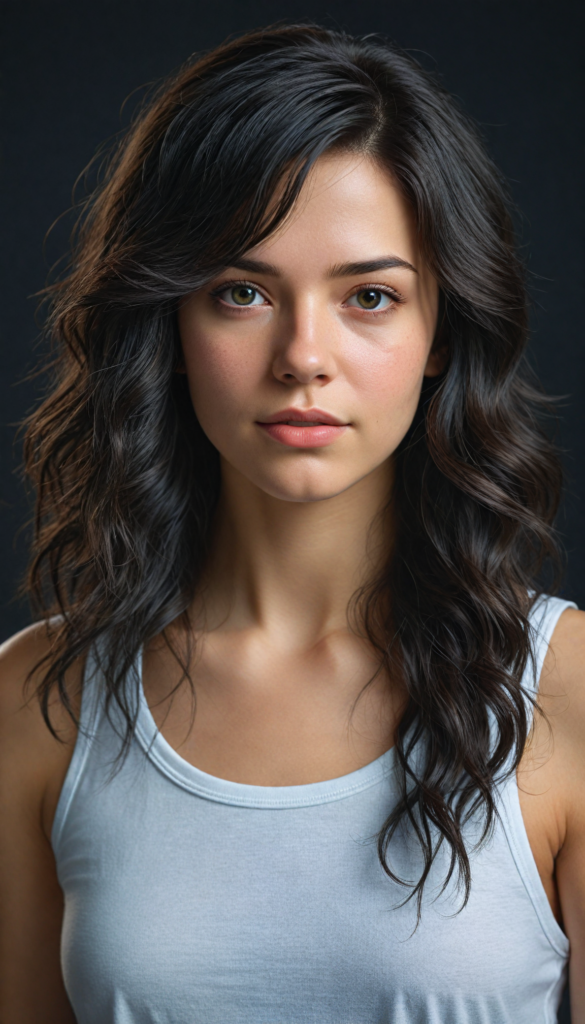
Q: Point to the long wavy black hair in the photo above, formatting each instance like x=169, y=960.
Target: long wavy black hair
x=127, y=482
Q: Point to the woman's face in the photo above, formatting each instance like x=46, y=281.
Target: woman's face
x=332, y=318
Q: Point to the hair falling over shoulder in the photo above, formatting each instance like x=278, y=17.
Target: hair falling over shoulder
x=127, y=481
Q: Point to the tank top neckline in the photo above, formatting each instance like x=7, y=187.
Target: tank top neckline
x=224, y=791
x=543, y=615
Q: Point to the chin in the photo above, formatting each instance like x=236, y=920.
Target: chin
x=305, y=487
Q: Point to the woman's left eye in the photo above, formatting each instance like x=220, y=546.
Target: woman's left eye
x=241, y=295
x=369, y=298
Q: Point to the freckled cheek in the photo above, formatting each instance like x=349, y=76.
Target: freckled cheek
x=390, y=381
x=221, y=374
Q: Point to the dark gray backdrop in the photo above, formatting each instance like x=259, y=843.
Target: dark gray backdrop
x=67, y=67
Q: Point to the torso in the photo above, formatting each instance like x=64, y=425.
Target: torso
x=249, y=730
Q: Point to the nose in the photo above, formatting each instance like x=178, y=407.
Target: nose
x=304, y=349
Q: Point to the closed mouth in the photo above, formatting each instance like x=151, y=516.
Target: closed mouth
x=303, y=418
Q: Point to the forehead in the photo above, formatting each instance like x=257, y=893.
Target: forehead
x=349, y=209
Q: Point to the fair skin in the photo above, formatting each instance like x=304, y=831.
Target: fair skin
x=278, y=666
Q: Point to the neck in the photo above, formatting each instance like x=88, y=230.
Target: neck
x=291, y=568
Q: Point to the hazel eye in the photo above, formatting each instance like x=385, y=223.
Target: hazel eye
x=369, y=298
x=241, y=295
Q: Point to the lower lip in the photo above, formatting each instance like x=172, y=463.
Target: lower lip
x=303, y=437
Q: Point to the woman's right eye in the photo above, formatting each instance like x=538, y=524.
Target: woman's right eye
x=241, y=295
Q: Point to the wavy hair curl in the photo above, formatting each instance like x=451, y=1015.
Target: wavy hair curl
x=127, y=482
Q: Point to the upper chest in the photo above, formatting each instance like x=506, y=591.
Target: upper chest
x=263, y=718
x=269, y=720
x=287, y=726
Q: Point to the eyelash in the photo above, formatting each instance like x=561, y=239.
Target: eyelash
x=397, y=299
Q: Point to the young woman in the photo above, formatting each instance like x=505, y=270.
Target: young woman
x=275, y=751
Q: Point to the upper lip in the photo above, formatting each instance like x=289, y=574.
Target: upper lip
x=304, y=416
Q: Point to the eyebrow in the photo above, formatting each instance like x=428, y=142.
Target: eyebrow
x=339, y=270
x=370, y=266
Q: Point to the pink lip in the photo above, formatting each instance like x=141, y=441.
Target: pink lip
x=326, y=430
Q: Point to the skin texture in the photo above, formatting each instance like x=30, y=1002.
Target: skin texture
x=308, y=343
x=278, y=668
x=293, y=537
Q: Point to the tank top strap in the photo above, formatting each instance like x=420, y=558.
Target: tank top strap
x=90, y=714
x=543, y=617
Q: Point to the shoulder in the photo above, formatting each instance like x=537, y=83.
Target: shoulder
x=18, y=657
x=559, y=736
x=22, y=664
x=32, y=760
x=562, y=681
x=562, y=697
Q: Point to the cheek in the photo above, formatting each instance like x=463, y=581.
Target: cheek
x=390, y=380
x=220, y=372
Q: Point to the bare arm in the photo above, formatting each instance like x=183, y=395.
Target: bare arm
x=32, y=767
x=568, y=725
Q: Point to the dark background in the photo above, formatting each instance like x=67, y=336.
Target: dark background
x=66, y=69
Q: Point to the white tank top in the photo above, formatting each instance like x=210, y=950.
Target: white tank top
x=190, y=899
